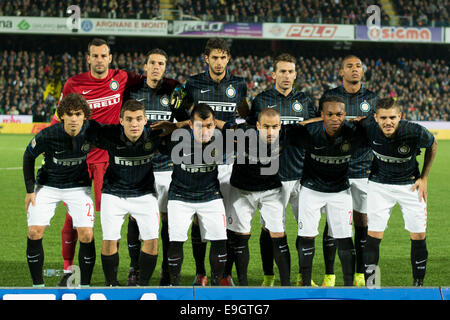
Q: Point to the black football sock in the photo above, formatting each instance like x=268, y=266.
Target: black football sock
x=283, y=259
x=147, y=264
x=134, y=244
x=360, y=243
x=217, y=260
x=266, y=249
x=110, y=265
x=329, y=251
x=419, y=256
x=86, y=258
x=35, y=258
x=165, y=246
x=371, y=256
x=306, y=250
x=242, y=258
x=346, y=252
x=175, y=260
x=231, y=240
x=198, y=249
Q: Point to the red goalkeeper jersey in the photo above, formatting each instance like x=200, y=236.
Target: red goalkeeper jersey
x=105, y=97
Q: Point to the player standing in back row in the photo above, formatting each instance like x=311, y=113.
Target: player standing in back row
x=104, y=90
x=226, y=94
x=359, y=101
x=294, y=106
x=154, y=93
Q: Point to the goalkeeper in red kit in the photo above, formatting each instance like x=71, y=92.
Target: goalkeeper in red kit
x=104, y=90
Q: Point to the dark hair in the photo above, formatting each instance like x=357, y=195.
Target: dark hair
x=350, y=56
x=285, y=57
x=73, y=102
x=386, y=103
x=97, y=42
x=131, y=105
x=216, y=43
x=203, y=111
x=268, y=112
x=325, y=99
x=157, y=51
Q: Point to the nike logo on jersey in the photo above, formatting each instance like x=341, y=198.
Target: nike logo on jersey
x=377, y=144
x=204, y=90
x=272, y=106
x=319, y=148
x=86, y=92
x=140, y=99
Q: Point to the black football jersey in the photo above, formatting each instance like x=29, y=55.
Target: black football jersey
x=395, y=158
x=293, y=108
x=65, y=157
x=361, y=103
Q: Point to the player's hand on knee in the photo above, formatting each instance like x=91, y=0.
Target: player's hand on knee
x=30, y=198
x=421, y=186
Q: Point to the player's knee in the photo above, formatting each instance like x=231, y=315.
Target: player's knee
x=150, y=246
x=277, y=234
x=35, y=232
x=85, y=235
x=417, y=236
x=109, y=247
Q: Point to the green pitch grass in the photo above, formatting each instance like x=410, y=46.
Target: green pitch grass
x=394, y=253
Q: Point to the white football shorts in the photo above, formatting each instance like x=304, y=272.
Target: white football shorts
x=162, y=184
x=144, y=209
x=338, y=208
x=211, y=217
x=78, y=202
x=224, y=175
x=358, y=189
x=245, y=204
x=383, y=197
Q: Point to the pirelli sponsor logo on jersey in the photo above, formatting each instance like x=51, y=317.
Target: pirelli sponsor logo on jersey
x=196, y=168
x=104, y=101
x=69, y=162
x=390, y=159
x=221, y=106
x=331, y=160
x=156, y=115
x=133, y=161
x=290, y=119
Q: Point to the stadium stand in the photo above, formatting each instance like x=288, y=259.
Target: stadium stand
x=409, y=12
x=31, y=81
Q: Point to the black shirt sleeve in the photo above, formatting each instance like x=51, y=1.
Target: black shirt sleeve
x=28, y=171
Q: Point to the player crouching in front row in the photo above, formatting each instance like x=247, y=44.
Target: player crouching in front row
x=195, y=189
x=128, y=187
x=395, y=177
x=63, y=177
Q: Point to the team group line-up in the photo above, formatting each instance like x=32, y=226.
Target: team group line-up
x=155, y=151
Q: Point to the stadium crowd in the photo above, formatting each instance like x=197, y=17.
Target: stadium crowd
x=419, y=13
x=30, y=82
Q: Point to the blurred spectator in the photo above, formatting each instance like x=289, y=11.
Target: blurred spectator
x=417, y=13
x=420, y=86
